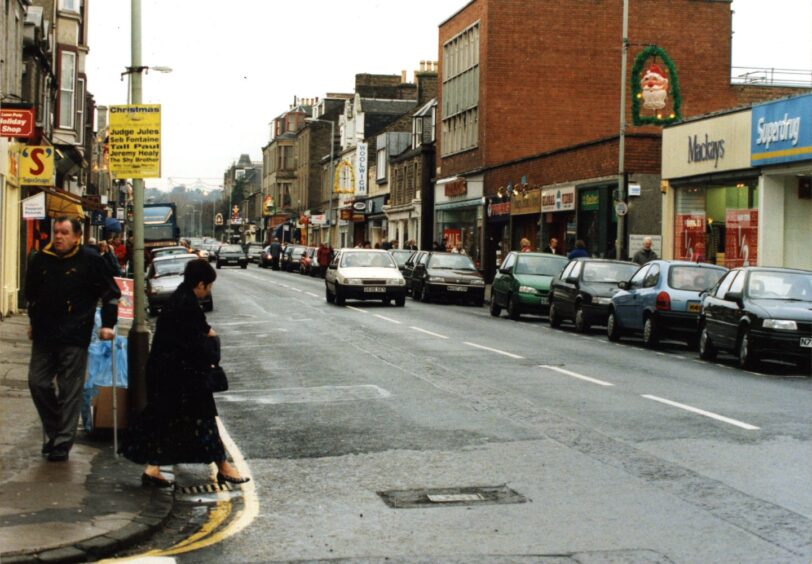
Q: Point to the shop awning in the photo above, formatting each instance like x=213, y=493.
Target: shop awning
x=456, y=205
x=59, y=203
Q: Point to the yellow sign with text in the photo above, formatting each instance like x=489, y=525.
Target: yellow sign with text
x=36, y=166
x=135, y=141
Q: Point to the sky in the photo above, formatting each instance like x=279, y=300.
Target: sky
x=237, y=65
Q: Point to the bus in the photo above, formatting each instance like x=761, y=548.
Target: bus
x=160, y=226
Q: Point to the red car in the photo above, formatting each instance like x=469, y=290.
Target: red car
x=308, y=263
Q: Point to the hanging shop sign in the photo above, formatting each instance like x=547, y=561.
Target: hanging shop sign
x=17, y=122
x=656, y=97
x=525, y=202
x=782, y=131
x=37, y=166
x=135, y=141
x=361, y=163
x=590, y=200
x=558, y=199
x=34, y=207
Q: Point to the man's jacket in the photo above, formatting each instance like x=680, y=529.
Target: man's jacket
x=63, y=292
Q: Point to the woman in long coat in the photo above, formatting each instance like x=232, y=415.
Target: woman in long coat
x=178, y=424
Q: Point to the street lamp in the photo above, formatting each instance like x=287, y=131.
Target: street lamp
x=330, y=180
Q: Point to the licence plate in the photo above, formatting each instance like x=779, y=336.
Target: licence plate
x=806, y=342
x=375, y=289
x=458, y=288
x=694, y=307
x=543, y=300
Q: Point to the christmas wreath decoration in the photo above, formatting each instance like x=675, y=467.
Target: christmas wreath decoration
x=673, y=89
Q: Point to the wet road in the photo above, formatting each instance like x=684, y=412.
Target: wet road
x=614, y=452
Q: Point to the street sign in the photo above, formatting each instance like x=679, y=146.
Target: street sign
x=135, y=141
x=621, y=208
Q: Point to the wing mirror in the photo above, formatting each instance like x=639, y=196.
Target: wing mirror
x=734, y=297
x=623, y=285
x=571, y=280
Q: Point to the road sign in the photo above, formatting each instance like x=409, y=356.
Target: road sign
x=621, y=208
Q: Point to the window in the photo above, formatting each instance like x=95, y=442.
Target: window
x=509, y=261
x=67, y=78
x=80, y=110
x=576, y=269
x=567, y=270
x=461, y=91
x=70, y=5
x=639, y=276
x=738, y=283
x=380, y=164
x=653, y=277
x=724, y=285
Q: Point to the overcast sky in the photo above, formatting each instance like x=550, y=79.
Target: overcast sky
x=238, y=64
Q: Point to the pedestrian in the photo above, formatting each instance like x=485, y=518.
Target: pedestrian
x=323, y=258
x=645, y=254
x=459, y=249
x=119, y=249
x=109, y=257
x=276, y=252
x=611, y=251
x=524, y=245
x=178, y=423
x=386, y=245
x=552, y=247
x=64, y=284
x=395, y=244
x=579, y=251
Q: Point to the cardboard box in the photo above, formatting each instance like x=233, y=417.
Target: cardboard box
x=102, y=408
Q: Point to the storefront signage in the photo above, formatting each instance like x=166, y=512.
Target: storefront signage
x=361, y=163
x=590, y=200
x=37, y=166
x=218, y=219
x=529, y=202
x=359, y=206
x=34, y=207
x=135, y=141
x=318, y=219
x=456, y=188
x=345, y=214
x=17, y=122
x=497, y=208
x=782, y=131
x=558, y=199
x=707, y=146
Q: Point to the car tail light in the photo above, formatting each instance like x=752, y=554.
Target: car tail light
x=663, y=301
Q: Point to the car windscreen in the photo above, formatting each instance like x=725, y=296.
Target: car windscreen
x=231, y=249
x=693, y=278
x=378, y=260
x=166, y=252
x=451, y=262
x=173, y=267
x=774, y=285
x=544, y=266
x=608, y=271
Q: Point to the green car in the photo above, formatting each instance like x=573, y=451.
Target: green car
x=522, y=283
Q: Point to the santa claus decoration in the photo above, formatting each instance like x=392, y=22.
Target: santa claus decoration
x=654, y=86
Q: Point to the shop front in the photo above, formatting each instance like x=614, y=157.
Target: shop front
x=597, y=221
x=376, y=220
x=558, y=217
x=525, y=211
x=458, y=214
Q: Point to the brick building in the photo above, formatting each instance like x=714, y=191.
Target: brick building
x=529, y=110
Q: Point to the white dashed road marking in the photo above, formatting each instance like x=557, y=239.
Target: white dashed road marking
x=745, y=426
x=576, y=375
x=429, y=332
x=389, y=319
x=497, y=351
x=356, y=309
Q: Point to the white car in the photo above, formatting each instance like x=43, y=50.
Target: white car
x=364, y=274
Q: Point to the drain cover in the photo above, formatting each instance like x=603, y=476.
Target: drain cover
x=445, y=497
x=204, y=489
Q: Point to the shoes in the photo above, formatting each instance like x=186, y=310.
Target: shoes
x=222, y=478
x=47, y=448
x=153, y=482
x=58, y=454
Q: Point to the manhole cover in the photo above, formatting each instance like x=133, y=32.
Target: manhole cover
x=445, y=497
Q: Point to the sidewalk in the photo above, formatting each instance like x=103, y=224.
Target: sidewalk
x=86, y=508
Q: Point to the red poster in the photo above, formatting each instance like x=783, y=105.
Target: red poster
x=741, y=238
x=125, y=304
x=689, y=237
x=452, y=237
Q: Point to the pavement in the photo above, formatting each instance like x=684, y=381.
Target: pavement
x=87, y=508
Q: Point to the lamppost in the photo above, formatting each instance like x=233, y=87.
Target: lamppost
x=330, y=181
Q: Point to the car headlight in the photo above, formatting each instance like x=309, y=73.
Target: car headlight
x=780, y=324
x=352, y=281
x=477, y=282
x=436, y=280
x=396, y=282
x=527, y=290
x=602, y=301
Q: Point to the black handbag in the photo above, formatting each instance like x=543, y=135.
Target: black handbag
x=216, y=379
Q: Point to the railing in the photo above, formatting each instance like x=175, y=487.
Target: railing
x=771, y=76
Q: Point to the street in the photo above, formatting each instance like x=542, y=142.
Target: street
x=609, y=452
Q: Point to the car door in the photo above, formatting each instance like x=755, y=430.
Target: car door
x=332, y=270
x=627, y=304
x=712, y=307
x=730, y=312
x=503, y=280
x=568, y=304
x=560, y=289
x=419, y=274
x=647, y=296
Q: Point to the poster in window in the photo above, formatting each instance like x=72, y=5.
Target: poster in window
x=741, y=238
x=452, y=237
x=689, y=237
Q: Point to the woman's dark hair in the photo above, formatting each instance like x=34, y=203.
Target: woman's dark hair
x=198, y=270
x=579, y=244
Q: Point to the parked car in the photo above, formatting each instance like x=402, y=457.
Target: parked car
x=253, y=252
x=522, y=283
x=447, y=276
x=231, y=255
x=214, y=248
x=364, y=274
x=661, y=299
x=308, y=262
x=164, y=251
x=265, y=257
x=290, y=258
x=757, y=313
x=584, y=289
x=164, y=275
x=408, y=267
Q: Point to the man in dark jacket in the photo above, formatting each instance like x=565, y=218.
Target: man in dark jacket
x=646, y=254
x=64, y=284
x=276, y=252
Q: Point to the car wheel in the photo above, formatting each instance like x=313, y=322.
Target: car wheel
x=328, y=295
x=581, y=324
x=425, y=296
x=338, y=297
x=650, y=337
x=513, y=309
x=707, y=350
x=612, y=327
x=555, y=319
x=400, y=301
x=244, y=266
x=495, y=309
x=747, y=358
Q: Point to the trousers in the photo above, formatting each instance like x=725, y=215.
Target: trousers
x=56, y=376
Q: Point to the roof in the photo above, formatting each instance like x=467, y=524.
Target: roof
x=426, y=109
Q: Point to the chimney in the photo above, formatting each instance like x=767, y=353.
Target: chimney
x=403, y=76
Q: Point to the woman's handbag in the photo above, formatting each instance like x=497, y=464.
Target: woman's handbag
x=216, y=380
